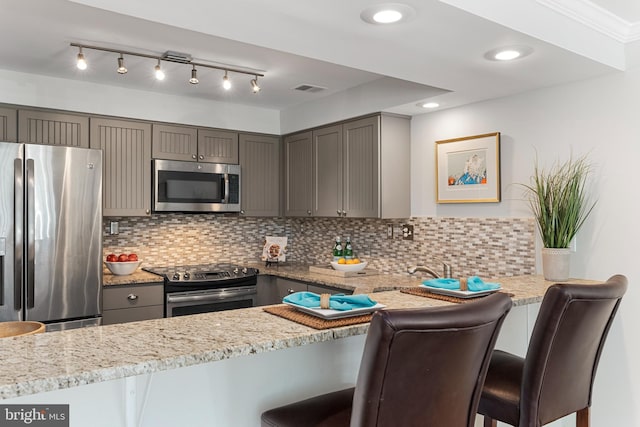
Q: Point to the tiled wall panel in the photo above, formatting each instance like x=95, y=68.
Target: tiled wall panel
x=483, y=246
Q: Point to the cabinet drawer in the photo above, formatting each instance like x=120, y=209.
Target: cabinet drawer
x=109, y=317
x=133, y=296
x=319, y=289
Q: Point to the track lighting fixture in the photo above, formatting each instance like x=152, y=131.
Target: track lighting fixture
x=254, y=85
x=81, y=62
x=175, y=57
x=194, y=76
x=158, y=71
x=226, y=83
x=121, y=68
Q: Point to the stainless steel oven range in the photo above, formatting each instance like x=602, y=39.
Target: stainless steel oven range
x=193, y=289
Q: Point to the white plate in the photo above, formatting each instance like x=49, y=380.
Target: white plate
x=327, y=313
x=458, y=293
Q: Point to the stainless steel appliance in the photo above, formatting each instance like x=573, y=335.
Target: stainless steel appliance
x=180, y=186
x=193, y=289
x=50, y=234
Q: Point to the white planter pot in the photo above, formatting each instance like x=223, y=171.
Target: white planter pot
x=555, y=264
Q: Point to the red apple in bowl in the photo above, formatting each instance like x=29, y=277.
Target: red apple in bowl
x=112, y=258
x=132, y=257
x=123, y=258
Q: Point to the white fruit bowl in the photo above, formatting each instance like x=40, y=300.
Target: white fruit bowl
x=349, y=267
x=123, y=268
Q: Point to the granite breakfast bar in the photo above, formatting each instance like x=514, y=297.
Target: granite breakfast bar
x=219, y=368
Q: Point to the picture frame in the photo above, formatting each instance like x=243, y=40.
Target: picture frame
x=468, y=169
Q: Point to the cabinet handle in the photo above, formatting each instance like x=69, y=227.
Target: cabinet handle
x=308, y=212
x=132, y=297
x=193, y=156
x=147, y=211
x=291, y=291
x=201, y=157
x=339, y=213
x=344, y=213
x=241, y=211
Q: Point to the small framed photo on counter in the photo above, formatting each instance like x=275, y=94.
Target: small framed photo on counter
x=468, y=169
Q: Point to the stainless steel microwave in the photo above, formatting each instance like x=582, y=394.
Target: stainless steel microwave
x=195, y=187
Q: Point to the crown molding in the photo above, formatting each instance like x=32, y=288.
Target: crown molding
x=597, y=18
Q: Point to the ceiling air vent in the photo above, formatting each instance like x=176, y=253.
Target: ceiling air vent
x=309, y=88
x=184, y=58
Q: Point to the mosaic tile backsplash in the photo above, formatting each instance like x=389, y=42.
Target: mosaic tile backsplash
x=482, y=246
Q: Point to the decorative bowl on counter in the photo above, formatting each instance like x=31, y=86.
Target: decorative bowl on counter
x=349, y=267
x=123, y=268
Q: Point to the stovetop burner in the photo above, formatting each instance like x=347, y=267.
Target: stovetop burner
x=202, y=272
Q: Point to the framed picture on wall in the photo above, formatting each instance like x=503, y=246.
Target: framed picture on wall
x=468, y=169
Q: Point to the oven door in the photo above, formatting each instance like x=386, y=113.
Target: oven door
x=205, y=301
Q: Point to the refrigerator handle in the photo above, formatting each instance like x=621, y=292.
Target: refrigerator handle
x=18, y=216
x=31, y=235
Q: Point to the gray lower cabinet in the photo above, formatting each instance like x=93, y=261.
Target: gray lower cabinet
x=260, y=163
x=322, y=289
x=131, y=303
x=271, y=290
x=126, y=183
x=53, y=128
x=8, y=124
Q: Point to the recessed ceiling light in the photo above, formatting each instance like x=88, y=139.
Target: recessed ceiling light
x=387, y=13
x=429, y=105
x=508, y=53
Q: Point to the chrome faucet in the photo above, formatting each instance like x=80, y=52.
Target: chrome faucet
x=446, y=270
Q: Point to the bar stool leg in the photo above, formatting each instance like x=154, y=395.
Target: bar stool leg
x=583, y=417
x=490, y=422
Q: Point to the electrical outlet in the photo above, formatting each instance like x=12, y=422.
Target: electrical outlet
x=389, y=231
x=407, y=232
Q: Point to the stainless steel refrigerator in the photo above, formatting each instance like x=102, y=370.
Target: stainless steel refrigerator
x=50, y=235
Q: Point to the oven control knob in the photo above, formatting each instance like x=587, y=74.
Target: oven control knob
x=176, y=276
x=244, y=270
x=186, y=275
x=235, y=270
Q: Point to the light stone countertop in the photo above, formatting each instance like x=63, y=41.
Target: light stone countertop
x=58, y=360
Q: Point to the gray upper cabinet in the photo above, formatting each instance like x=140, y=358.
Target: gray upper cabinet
x=217, y=146
x=360, y=169
x=8, y=125
x=328, y=171
x=126, y=188
x=260, y=164
x=298, y=174
x=53, y=128
x=174, y=142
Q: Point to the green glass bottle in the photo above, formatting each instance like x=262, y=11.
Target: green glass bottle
x=348, y=249
x=338, y=252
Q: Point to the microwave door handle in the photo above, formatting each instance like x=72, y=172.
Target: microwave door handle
x=31, y=234
x=226, y=188
x=18, y=236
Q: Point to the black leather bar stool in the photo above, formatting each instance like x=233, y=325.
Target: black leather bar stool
x=556, y=377
x=420, y=367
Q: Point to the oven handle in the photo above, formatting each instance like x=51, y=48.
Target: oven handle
x=217, y=295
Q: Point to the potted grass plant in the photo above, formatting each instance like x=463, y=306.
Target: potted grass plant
x=560, y=204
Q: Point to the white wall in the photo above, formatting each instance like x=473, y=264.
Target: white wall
x=600, y=117
x=76, y=95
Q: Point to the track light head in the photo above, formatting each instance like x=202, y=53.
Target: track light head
x=254, y=85
x=121, y=68
x=226, y=83
x=194, y=76
x=81, y=63
x=158, y=71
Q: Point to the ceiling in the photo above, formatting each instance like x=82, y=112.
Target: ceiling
x=437, y=55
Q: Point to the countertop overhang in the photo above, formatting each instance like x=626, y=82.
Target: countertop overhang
x=58, y=360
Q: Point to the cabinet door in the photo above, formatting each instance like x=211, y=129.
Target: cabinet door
x=174, y=142
x=298, y=174
x=286, y=287
x=51, y=128
x=327, y=171
x=360, y=154
x=126, y=145
x=8, y=125
x=217, y=146
x=260, y=163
